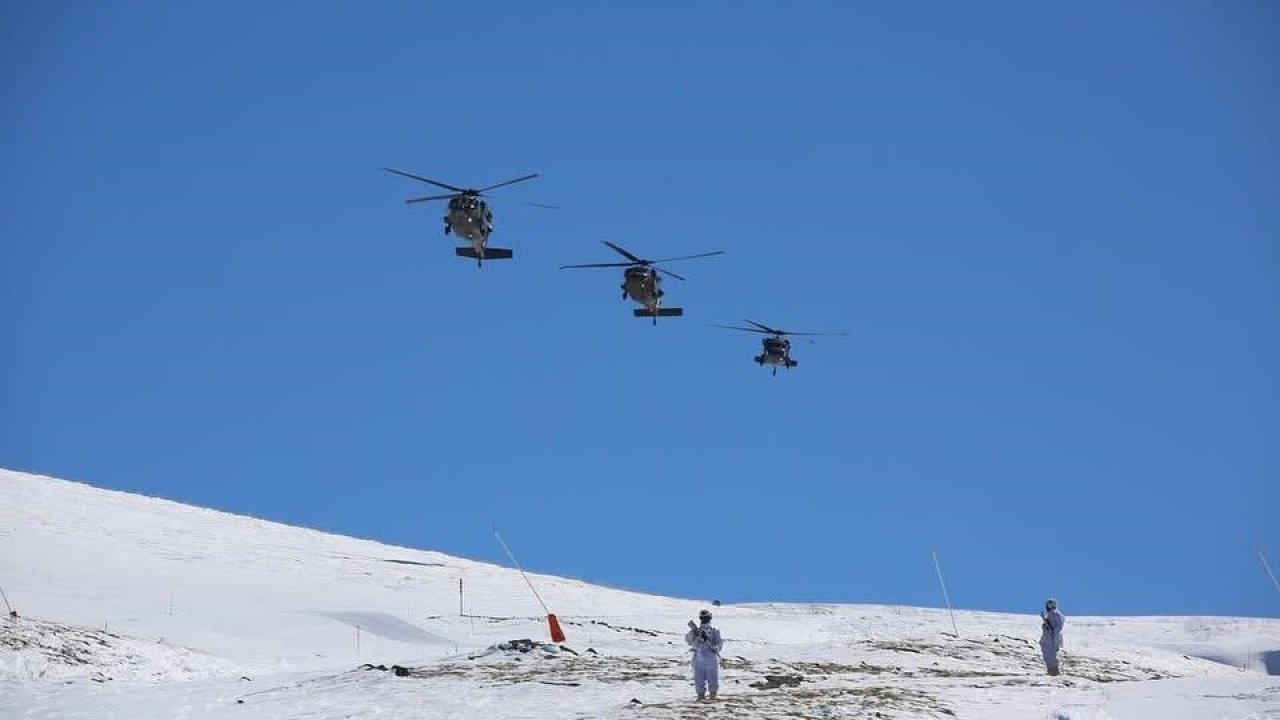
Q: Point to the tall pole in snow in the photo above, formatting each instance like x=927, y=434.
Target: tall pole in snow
x=513, y=562
x=553, y=623
x=937, y=566
x=1266, y=566
x=6, y=603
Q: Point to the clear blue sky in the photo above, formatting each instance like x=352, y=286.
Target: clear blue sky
x=1053, y=232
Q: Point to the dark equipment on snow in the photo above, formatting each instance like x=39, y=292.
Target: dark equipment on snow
x=468, y=215
x=642, y=281
x=777, y=348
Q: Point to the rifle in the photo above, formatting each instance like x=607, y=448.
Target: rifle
x=703, y=634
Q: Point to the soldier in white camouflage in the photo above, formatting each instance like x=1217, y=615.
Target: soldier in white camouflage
x=1051, y=635
x=706, y=643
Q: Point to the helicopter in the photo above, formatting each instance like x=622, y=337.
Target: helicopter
x=777, y=348
x=642, y=281
x=468, y=216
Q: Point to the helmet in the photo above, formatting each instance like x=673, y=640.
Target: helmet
x=705, y=616
x=1050, y=604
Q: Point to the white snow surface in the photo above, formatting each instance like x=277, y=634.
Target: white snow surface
x=136, y=607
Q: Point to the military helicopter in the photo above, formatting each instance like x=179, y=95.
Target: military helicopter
x=642, y=282
x=777, y=348
x=468, y=216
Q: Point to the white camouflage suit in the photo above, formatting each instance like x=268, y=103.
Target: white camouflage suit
x=706, y=643
x=1051, y=622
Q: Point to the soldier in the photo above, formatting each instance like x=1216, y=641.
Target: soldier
x=706, y=643
x=1051, y=635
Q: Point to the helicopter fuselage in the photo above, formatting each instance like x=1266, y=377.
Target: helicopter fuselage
x=470, y=218
x=776, y=352
x=642, y=285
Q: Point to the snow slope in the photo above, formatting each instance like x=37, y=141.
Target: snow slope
x=135, y=607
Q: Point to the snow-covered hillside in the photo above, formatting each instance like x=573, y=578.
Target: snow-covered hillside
x=134, y=607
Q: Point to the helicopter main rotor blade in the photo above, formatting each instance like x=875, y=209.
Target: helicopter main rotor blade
x=668, y=272
x=686, y=257
x=508, y=182
x=424, y=199
x=765, y=328
x=626, y=254
x=594, y=265
x=544, y=206
x=735, y=327
x=429, y=181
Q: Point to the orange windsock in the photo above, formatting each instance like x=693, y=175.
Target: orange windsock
x=557, y=635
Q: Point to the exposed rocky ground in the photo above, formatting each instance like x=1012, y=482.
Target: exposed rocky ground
x=906, y=679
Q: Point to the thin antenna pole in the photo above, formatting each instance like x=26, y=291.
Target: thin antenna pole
x=937, y=566
x=460, y=612
x=513, y=562
x=6, y=602
x=1266, y=566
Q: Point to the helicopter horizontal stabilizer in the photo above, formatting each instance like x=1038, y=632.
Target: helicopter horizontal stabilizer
x=490, y=253
x=660, y=312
